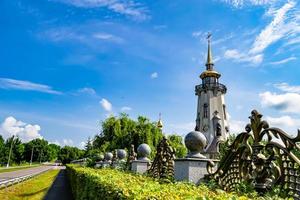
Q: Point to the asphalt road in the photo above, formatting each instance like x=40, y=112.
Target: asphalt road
x=19, y=173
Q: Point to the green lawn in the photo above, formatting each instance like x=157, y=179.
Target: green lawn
x=33, y=189
x=10, y=169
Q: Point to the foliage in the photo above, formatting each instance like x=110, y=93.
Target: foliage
x=176, y=142
x=224, y=147
x=107, y=183
x=67, y=154
x=33, y=189
x=39, y=149
x=120, y=132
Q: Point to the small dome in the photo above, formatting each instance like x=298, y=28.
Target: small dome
x=121, y=153
x=108, y=156
x=195, y=141
x=143, y=151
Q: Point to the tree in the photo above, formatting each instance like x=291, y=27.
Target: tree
x=67, y=154
x=120, y=132
x=177, y=144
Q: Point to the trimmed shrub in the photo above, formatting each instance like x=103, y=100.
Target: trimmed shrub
x=107, y=183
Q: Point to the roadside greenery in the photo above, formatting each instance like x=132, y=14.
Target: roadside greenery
x=33, y=189
x=40, y=150
x=108, y=183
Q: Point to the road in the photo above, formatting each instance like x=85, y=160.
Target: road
x=15, y=174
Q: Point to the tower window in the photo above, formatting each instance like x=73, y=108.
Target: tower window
x=224, y=110
x=205, y=110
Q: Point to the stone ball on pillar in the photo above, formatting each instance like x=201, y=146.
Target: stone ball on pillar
x=195, y=142
x=108, y=156
x=143, y=151
x=121, y=153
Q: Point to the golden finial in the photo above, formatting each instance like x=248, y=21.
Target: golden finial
x=159, y=123
x=209, y=62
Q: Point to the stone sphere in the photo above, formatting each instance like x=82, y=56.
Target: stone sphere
x=108, y=156
x=101, y=156
x=121, y=153
x=143, y=151
x=195, y=141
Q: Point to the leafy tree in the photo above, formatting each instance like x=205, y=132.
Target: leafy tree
x=67, y=154
x=177, y=143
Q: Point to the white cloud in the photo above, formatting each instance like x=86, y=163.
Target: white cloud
x=285, y=25
x=237, y=126
x=287, y=88
x=6, y=83
x=106, y=105
x=241, y=3
x=126, y=108
x=82, y=145
x=284, y=61
x=286, y=123
x=181, y=128
x=276, y=30
x=125, y=7
x=287, y=102
x=154, y=75
x=242, y=57
x=87, y=90
x=68, y=142
x=24, y=131
x=107, y=36
x=55, y=142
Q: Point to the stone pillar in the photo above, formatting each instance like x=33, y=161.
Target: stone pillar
x=139, y=166
x=190, y=169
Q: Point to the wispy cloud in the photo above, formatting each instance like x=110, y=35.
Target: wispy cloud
x=87, y=90
x=285, y=25
x=242, y=57
x=241, y=3
x=106, y=105
x=285, y=87
x=108, y=37
x=125, y=7
x=6, y=83
x=281, y=25
x=154, y=75
x=126, y=108
x=283, y=61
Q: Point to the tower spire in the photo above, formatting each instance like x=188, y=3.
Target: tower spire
x=209, y=63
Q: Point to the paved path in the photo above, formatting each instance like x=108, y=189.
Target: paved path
x=60, y=188
x=23, y=172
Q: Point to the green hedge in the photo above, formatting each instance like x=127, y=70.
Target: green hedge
x=101, y=184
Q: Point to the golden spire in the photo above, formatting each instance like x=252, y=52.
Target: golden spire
x=159, y=123
x=209, y=63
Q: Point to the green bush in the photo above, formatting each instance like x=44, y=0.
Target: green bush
x=106, y=183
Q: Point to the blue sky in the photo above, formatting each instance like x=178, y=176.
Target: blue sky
x=67, y=64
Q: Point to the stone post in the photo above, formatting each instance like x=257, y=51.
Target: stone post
x=141, y=165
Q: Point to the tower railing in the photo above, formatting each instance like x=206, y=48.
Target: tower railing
x=210, y=86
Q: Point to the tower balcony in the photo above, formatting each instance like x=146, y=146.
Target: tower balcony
x=210, y=87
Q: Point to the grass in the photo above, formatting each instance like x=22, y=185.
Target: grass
x=11, y=169
x=33, y=189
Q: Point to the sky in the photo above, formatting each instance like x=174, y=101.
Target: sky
x=66, y=65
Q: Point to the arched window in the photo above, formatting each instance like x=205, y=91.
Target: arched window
x=205, y=110
x=224, y=110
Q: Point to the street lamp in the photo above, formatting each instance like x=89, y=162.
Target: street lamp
x=31, y=155
x=10, y=151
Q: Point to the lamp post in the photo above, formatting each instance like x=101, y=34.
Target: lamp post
x=31, y=155
x=11, y=145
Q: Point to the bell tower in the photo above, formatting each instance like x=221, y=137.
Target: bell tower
x=212, y=116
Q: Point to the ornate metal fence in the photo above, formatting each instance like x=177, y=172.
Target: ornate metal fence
x=163, y=163
x=262, y=156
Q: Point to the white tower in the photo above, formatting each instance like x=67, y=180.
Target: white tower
x=211, y=110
